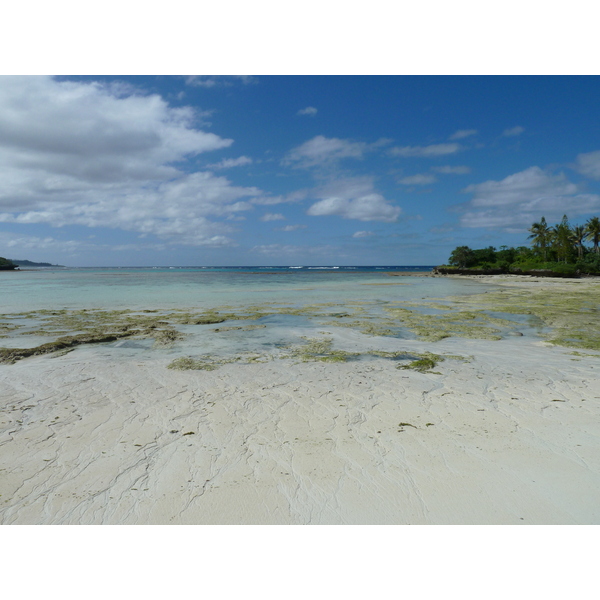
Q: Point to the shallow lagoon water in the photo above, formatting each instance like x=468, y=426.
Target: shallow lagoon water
x=328, y=297
x=203, y=289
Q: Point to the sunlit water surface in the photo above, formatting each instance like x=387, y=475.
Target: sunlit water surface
x=200, y=289
x=152, y=288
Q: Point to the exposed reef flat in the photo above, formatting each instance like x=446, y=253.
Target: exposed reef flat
x=479, y=409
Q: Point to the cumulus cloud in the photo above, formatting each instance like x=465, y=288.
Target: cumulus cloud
x=354, y=198
x=311, y=111
x=104, y=155
x=419, y=179
x=227, y=163
x=322, y=151
x=513, y=131
x=272, y=217
x=589, y=164
x=463, y=133
x=522, y=198
x=362, y=234
x=425, y=151
x=291, y=228
x=448, y=170
x=520, y=187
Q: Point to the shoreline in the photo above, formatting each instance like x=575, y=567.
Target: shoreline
x=497, y=432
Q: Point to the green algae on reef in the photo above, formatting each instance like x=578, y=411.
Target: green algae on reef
x=166, y=337
x=210, y=363
x=430, y=328
x=424, y=364
x=240, y=328
x=11, y=355
x=569, y=314
x=89, y=327
x=572, y=315
x=320, y=350
x=186, y=363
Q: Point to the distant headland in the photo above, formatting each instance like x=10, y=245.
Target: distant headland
x=10, y=264
x=7, y=265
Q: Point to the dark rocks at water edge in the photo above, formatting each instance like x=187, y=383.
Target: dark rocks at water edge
x=443, y=270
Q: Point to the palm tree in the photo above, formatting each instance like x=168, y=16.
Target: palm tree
x=562, y=238
x=541, y=235
x=592, y=231
x=579, y=234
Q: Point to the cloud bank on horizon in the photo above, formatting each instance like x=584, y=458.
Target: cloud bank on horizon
x=209, y=170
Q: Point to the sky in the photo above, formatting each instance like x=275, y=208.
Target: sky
x=290, y=170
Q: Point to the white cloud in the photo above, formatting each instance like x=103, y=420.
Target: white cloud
x=513, y=131
x=272, y=217
x=419, y=179
x=17, y=244
x=589, y=164
x=201, y=81
x=362, y=234
x=520, y=187
x=522, y=198
x=278, y=250
x=365, y=208
x=311, y=111
x=227, y=163
x=291, y=228
x=425, y=151
x=322, y=151
x=463, y=133
x=210, y=81
x=296, y=196
x=354, y=198
x=100, y=155
x=447, y=170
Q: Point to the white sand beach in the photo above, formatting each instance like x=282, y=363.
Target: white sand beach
x=510, y=434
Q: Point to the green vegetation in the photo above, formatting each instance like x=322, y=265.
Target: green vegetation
x=6, y=264
x=186, y=363
x=424, y=364
x=11, y=355
x=78, y=327
x=320, y=350
x=557, y=251
x=571, y=315
x=30, y=263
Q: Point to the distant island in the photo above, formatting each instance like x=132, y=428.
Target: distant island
x=557, y=251
x=10, y=264
x=29, y=263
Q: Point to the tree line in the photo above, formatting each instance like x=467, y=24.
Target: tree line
x=559, y=248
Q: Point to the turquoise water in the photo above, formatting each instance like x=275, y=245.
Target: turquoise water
x=349, y=294
x=168, y=288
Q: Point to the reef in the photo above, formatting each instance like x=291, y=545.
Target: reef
x=566, y=317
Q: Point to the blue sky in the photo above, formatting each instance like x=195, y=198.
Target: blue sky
x=302, y=170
